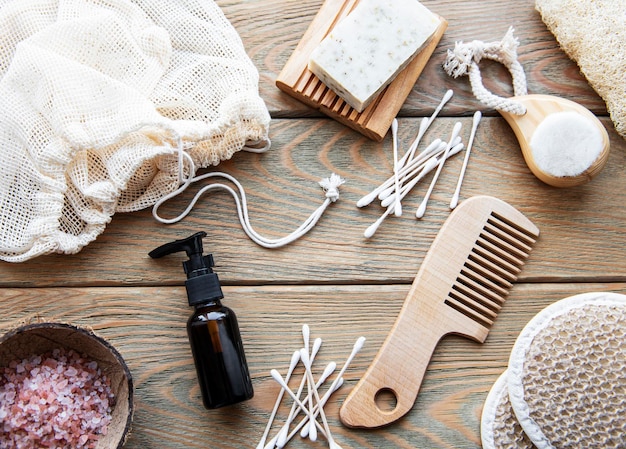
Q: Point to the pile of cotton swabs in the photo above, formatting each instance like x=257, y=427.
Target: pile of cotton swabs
x=412, y=168
x=312, y=405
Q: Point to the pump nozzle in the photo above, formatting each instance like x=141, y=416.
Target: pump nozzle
x=202, y=284
x=197, y=265
x=191, y=245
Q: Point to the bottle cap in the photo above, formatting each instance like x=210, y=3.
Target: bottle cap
x=202, y=283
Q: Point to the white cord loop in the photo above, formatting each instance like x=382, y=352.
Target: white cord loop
x=329, y=185
x=464, y=60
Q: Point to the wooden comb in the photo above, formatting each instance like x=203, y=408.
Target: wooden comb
x=459, y=289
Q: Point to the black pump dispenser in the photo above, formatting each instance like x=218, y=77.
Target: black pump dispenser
x=202, y=284
x=212, y=329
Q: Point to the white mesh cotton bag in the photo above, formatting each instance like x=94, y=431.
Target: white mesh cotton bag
x=98, y=100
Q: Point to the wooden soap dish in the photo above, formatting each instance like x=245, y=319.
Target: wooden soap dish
x=374, y=122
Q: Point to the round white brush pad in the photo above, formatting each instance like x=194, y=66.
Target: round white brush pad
x=566, y=144
x=566, y=376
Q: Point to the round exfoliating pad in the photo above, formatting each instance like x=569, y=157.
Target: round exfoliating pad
x=499, y=428
x=567, y=373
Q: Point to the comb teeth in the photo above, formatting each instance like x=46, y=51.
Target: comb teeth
x=490, y=269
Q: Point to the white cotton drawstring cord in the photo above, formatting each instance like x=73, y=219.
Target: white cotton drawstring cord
x=329, y=185
x=253, y=146
x=464, y=60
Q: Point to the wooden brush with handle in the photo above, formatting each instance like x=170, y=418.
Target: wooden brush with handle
x=459, y=289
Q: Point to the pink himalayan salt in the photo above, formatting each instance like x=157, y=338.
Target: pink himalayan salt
x=55, y=400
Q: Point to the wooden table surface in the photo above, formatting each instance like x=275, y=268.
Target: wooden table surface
x=336, y=281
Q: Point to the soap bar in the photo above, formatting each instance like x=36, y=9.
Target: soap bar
x=370, y=46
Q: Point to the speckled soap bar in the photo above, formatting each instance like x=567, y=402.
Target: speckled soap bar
x=370, y=46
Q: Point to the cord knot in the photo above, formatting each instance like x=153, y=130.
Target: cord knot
x=464, y=60
x=460, y=59
x=331, y=185
x=507, y=47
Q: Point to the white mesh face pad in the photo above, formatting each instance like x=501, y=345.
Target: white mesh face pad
x=98, y=97
x=499, y=428
x=566, y=374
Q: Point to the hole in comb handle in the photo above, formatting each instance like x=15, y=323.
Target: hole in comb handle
x=386, y=400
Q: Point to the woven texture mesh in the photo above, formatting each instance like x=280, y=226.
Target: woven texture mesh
x=97, y=98
x=574, y=384
x=507, y=431
x=593, y=33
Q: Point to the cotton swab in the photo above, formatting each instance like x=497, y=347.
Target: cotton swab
x=436, y=151
x=422, y=207
x=396, y=167
x=425, y=169
x=304, y=356
x=317, y=343
x=278, y=378
x=282, y=437
x=306, y=332
x=455, y=198
x=410, y=170
x=426, y=122
x=388, y=183
x=295, y=358
x=400, y=165
x=305, y=337
x=428, y=167
x=371, y=229
x=358, y=345
x=302, y=423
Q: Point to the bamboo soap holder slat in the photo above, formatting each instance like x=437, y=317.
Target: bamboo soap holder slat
x=298, y=81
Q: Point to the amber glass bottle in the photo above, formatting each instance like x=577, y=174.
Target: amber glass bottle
x=219, y=356
x=212, y=329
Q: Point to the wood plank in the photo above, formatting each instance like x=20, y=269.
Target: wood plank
x=271, y=30
x=147, y=326
x=336, y=281
x=581, y=228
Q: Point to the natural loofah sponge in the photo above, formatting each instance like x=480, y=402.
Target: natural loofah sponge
x=593, y=33
x=566, y=373
x=499, y=428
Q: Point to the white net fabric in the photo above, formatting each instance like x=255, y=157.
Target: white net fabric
x=98, y=96
x=566, y=373
x=499, y=428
